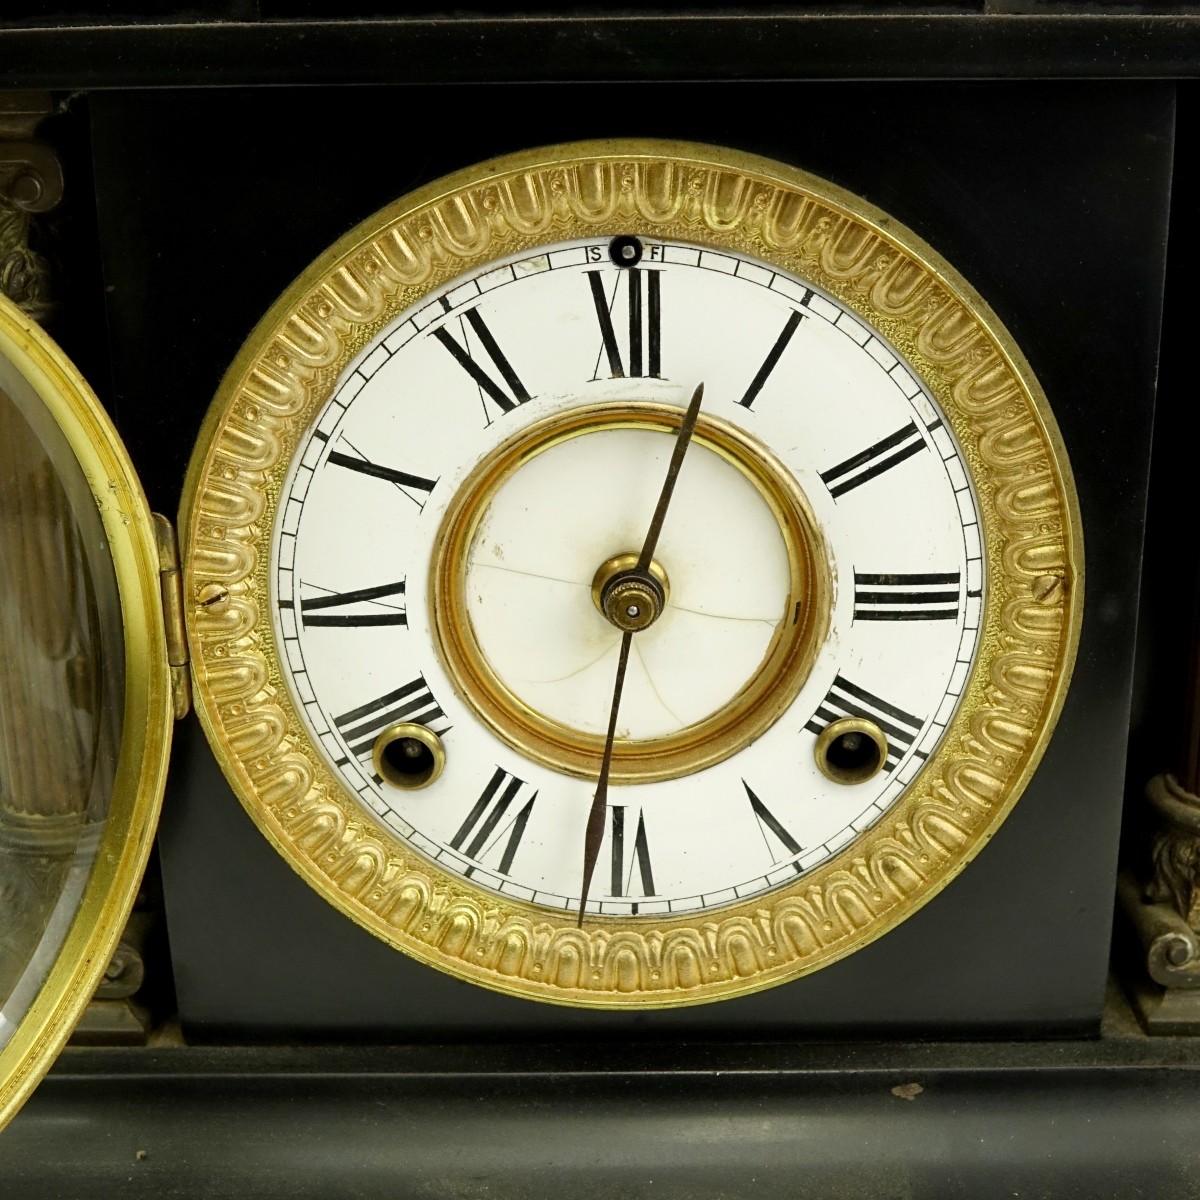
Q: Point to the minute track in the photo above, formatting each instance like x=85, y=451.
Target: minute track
x=426, y=414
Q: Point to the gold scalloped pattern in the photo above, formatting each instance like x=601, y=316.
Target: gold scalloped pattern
x=1032, y=547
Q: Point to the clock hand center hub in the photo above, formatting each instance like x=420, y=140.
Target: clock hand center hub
x=631, y=599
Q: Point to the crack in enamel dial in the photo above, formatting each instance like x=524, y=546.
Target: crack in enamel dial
x=851, y=566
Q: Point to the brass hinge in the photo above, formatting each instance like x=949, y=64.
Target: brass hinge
x=172, y=604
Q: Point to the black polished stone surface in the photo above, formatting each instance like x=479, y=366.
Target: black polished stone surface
x=249, y=45
x=1109, y=1119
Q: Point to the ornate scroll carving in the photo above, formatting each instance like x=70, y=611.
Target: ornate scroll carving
x=1031, y=545
x=30, y=182
x=1175, y=852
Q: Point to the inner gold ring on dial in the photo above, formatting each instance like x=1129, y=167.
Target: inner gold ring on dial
x=747, y=715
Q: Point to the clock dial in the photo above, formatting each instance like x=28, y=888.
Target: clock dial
x=413, y=518
x=499, y=481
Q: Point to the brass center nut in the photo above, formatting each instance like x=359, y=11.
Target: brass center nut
x=630, y=599
x=632, y=602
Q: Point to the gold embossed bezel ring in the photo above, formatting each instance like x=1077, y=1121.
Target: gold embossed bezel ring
x=1031, y=538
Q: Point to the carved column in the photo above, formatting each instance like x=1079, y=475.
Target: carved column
x=1164, y=906
x=31, y=182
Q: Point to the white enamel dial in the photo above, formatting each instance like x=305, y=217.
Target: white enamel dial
x=542, y=336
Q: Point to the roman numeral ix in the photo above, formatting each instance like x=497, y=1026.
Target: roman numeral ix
x=313, y=608
x=485, y=828
x=846, y=699
x=412, y=702
x=874, y=460
x=644, y=344
x=506, y=401
x=931, y=597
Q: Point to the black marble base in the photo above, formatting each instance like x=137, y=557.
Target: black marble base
x=1109, y=1117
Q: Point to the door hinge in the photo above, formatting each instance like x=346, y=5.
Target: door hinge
x=171, y=581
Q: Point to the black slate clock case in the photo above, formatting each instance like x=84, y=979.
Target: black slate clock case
x=1050, y=198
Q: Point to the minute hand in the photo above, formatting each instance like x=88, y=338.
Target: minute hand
x=594, y=834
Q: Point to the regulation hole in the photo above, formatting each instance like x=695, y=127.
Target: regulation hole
x=851, y=750
x=408, y=756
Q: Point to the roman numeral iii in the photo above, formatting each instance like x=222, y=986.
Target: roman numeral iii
x=929, y=597
x=846, y=699
x=643, y=346
x=506, y=400
x=485, y=829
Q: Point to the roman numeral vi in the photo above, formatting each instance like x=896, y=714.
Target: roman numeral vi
x=639, y=857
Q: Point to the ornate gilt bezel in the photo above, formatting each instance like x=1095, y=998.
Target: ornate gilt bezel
x=1028, y=510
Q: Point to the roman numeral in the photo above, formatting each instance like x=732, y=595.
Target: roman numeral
x=644, y=344
x=846, y=699
x=932, y=597
x=402, y=479
x=874, y=460
x=484, y=827
x=412, y=702
x=505, y=400
x=773, y=356
x=639, y=858
x=311, y=608
x=769, y=824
